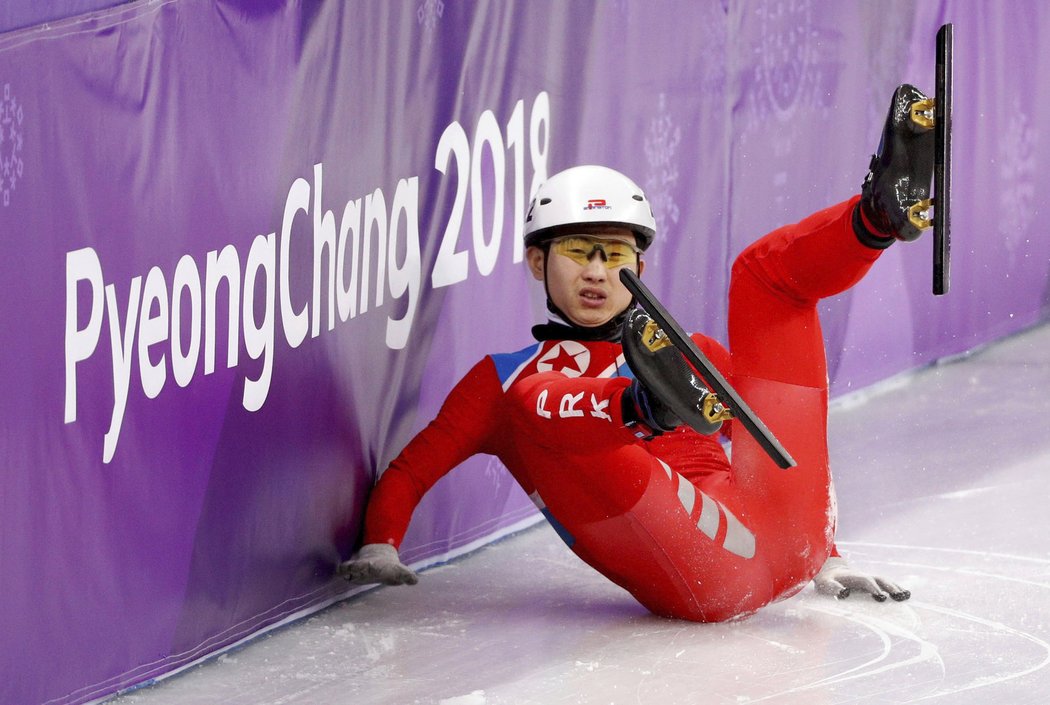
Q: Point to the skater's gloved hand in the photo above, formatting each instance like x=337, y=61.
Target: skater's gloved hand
x=377, y=563
x=838, y=579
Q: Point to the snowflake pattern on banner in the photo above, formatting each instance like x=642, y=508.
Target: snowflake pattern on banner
x=787, y=57
x=1017, y=173
x=429, y=14
x=890, y=38
x=790, y=55
x=793, y=76
x=11, y=164
x=712, y=33
x=661, y=152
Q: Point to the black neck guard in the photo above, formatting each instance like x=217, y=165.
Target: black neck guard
x=557, y=327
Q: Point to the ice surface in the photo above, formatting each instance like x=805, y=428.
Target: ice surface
x=942, y=481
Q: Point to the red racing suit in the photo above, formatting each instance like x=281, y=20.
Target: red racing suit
x=687, y=532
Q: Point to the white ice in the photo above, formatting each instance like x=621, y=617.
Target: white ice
x=942, y=480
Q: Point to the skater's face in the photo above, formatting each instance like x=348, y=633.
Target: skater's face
x=583, y=278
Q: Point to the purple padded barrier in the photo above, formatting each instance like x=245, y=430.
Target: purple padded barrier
x=249, y=246
x=17, y=14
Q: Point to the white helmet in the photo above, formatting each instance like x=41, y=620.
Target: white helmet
x=589, y=195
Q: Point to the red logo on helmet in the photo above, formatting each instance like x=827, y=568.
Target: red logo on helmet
x=596, y=204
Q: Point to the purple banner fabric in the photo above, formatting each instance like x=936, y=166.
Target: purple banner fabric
x=16, y=14
x=251, y=245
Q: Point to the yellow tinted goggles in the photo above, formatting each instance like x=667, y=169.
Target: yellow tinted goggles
x=581, y=248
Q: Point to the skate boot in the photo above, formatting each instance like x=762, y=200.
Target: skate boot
x=896, y=192
x=665, y=392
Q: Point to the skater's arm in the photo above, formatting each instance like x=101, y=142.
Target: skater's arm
x=460, y=430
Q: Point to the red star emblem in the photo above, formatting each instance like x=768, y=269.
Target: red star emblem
x=564, y=361
x=563, y=358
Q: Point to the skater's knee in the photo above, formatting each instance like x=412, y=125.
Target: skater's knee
x=706, y=610
x=763, y=283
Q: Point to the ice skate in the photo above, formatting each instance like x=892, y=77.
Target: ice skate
x=895, y=197
x=666, y=392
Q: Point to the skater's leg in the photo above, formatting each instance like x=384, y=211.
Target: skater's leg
x=774, y=331
x=779, y=368
x=679, y=551
x=778, y=350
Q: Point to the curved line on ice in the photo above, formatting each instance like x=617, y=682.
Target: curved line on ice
x=964, y=551
x=884, y=630
x=985, y=681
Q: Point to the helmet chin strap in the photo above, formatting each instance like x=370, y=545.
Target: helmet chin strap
x=559, y=326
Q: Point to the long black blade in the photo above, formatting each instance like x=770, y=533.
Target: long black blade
x=942, y=167
x=685, y=345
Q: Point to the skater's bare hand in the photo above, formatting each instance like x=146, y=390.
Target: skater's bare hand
x=839, y=579
x=377, y=563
